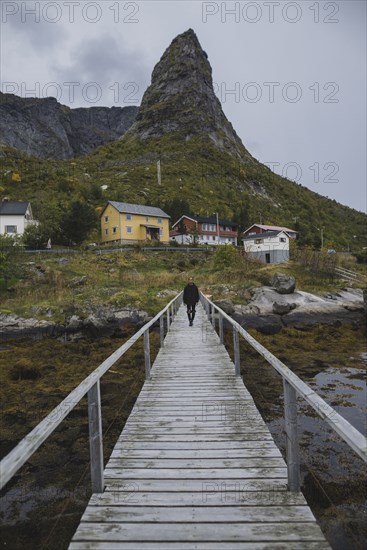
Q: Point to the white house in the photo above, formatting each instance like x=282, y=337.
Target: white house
x=270, y=247
x=15, y=217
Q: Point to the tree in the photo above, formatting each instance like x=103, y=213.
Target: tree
x=78, y=221
x=176, y=208
x=36, y=236
x=10, y=269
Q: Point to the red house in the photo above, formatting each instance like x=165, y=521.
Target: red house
x=257, y=228
x=204, y=230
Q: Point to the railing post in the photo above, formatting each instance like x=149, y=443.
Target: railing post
x=161, y=330
x=236, y=349
x=147, y=354
x=291, y=430
x=213, y=316
x=221, y=335
x=168, y=320
x=95, y=438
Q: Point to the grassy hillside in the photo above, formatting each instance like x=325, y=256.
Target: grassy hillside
x=209, y=179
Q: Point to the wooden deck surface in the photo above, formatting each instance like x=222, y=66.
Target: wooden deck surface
x=195, y=466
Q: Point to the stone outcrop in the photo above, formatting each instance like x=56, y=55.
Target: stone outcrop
x=269, y=311
x=46, y=129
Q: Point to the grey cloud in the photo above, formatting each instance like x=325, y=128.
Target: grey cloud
x=107, y=61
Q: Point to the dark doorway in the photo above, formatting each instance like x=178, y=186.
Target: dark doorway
x=267, y=258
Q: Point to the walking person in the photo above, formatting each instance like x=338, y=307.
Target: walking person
x=190, y=299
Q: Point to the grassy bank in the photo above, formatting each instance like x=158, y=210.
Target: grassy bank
x=56, y=286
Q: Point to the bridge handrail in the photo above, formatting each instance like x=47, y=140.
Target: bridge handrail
x=292, y=385
x=18, y=456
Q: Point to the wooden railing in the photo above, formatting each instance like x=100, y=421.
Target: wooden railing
x=91, y=386
x=293, y=386
x=349, y=275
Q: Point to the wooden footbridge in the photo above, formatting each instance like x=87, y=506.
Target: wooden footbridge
x=195, y=466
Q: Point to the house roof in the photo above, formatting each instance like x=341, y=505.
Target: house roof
x=13, y=208
x=123, y=207
x=205, y=219
x=265, y=235
x=270, y=228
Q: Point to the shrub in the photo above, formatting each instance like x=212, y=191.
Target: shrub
x=225, y=256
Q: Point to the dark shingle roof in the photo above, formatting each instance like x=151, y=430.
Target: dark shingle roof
x=206, y=219
x=264, y=235
x=123, y=207
x=13, y=208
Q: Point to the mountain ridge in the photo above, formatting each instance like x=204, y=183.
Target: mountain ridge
x=204, y=163
x=44, y=128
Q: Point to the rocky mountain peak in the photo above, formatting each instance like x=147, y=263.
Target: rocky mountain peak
x=181, y=99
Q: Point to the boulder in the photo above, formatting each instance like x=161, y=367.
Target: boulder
x=281, y=309
x=226, y=305
x=283, y=284
x=75, y=323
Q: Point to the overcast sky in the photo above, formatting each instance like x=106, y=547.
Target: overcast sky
x=291, y=75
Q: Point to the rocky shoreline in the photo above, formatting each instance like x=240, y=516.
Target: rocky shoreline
x=100, y=322
x=268, y=311
x=272, y=308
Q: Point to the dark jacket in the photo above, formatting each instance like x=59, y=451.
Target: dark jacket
x=191, y=294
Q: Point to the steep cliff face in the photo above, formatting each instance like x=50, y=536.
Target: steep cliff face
x=46, y=129
x=181, y=99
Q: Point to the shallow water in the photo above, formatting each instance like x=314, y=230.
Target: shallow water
x=52, y=492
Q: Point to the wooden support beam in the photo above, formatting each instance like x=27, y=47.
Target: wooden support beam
x=95, y=438
x=291, y=430
x=147, y=354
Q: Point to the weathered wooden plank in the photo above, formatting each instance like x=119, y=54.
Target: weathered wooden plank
x=197, y=445
x=209, y=495
x=251, y=532
x=213, y=488
x=93, y=545
x=197, y=514
x=185, y=454
x=254, y=436
x=197, y=473
x=181, y=463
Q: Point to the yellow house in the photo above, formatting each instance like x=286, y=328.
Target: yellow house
x=131, y=223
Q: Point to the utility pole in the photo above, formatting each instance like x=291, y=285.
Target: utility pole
x=159, y=173
x=218, y=227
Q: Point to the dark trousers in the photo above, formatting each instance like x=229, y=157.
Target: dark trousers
x=191, y=311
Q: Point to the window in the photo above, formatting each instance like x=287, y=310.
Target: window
x=114, y=230
x=129, y=229
x=106, y=231
x=160, y=231
x=160, y=220
x=213, y=237
x=10, y=229
x=259, y=241
x=283, y=240
x=128, y=216
x=105, y=219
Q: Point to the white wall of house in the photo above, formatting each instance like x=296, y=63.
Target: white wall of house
x=272, y=249
x=204, y=239
x=14, y=224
